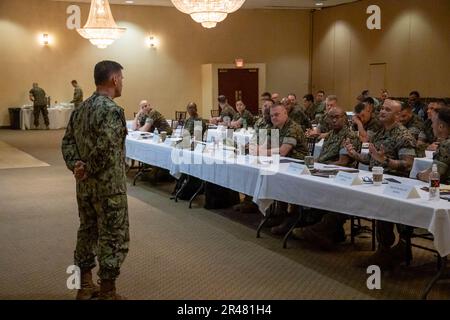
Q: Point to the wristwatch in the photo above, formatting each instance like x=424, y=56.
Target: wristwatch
x=386, y=162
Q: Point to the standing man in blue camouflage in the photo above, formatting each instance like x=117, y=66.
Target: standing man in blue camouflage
x=94, y=150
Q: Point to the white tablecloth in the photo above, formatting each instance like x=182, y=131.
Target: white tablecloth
x=156, y=154
x=233, y=173
x=239, y=136
x=58, y=116
x=364, y=200
x=420, y=164
x=247, y=177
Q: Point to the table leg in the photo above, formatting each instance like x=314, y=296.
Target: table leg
x=140, y=172
x=435, y=279
x=265, y=219
x=288, y=234
x=200, y=189
x=185, y=183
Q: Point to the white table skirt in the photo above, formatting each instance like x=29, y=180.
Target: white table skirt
x=420, y=164
x=58, y=117
x=248, y=178
x=155, y=154
x=232, y=173
x=364, y=201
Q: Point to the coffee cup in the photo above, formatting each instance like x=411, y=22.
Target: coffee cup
x=163, y=135
x=377, y=175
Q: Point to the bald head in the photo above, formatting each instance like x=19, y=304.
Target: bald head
x=337, y=118
x=276, y=97
x=287, y=104
x=145, y=106
x=390, y=112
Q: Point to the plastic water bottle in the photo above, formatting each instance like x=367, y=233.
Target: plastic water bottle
x=156, y=136
x=244, y=124
x=434, y=192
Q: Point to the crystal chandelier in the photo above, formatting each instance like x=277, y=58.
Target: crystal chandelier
x=208, y=12
x=101, y=29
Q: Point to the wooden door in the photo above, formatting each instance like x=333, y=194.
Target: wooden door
x=240, y=84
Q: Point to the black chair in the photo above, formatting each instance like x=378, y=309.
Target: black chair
x=356, y=228
x=215, y=113
x=180, y=115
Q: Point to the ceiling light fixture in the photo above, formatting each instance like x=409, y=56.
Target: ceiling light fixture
x=208, y=12
x=101, y=29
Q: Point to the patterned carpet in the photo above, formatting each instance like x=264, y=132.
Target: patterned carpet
x=175, y=253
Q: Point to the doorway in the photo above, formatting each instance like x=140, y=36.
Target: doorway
x=240, y=84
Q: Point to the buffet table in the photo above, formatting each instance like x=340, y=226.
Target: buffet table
x=58, y=116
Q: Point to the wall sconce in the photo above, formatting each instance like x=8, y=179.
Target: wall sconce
x=44, y=39
x=151, y=42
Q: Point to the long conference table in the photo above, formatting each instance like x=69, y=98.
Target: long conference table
x=244, y=175
x=277, y=182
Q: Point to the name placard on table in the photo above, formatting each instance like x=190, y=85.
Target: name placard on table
x=401, y=191
x=298, y=169
x=347, y=179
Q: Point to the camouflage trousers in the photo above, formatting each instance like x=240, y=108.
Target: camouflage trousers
x=36, y=112
x=103, y=232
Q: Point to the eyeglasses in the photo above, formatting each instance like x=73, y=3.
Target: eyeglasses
x=336, y=116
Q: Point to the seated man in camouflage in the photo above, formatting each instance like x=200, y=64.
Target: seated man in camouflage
x=148, y=119
x=263, y=122
x=292, y=143
x=319, y=106
x=364, y=122
x=427, y=140
x=393, y=148
x=226, y=112
x=189, y=124
x=242, y=118
x=333, y=150
x=330, y=228
x=411, y=121
x=296, y=114
x=309, y=107
x=441, y=130
x=324, y=125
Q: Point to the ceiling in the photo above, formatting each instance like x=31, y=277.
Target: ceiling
x=259, y=4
